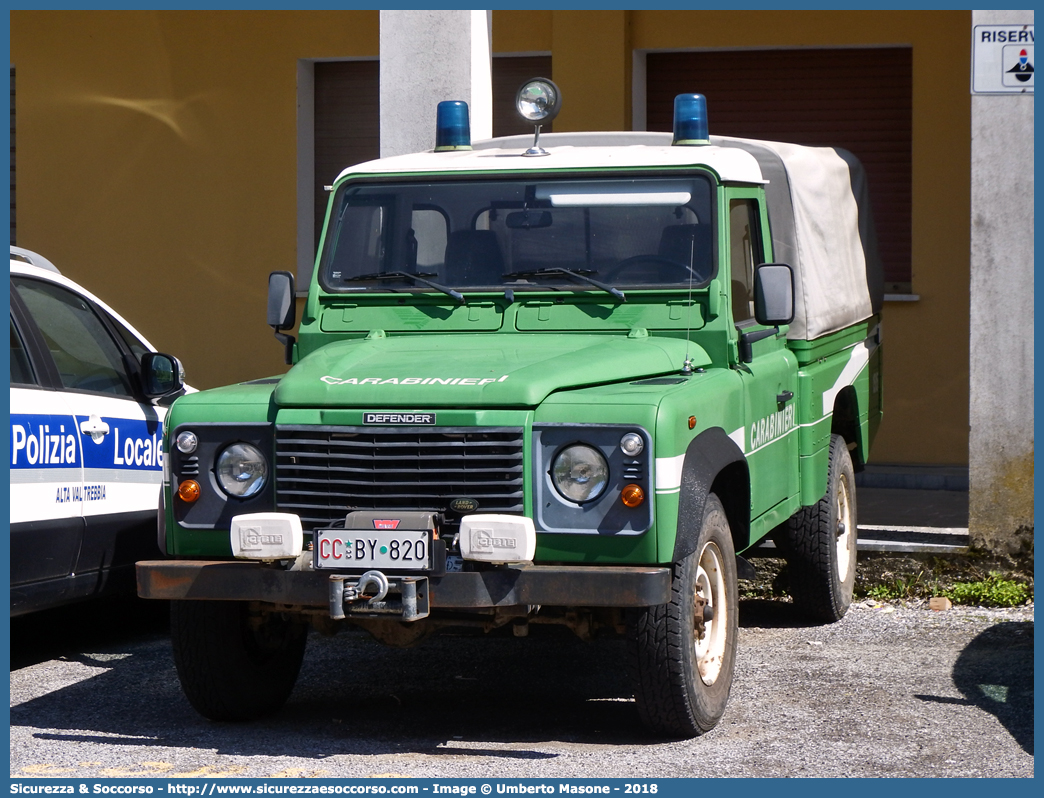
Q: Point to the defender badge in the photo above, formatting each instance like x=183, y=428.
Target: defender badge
x=399, y=418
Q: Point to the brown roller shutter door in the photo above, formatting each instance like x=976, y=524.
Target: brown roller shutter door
x=856, y=98
x=347, y=122
x=509, y=73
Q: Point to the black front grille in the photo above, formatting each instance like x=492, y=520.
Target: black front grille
x=322, y=473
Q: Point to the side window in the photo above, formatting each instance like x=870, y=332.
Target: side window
x=359, y=247
x=21, y=369
x=132, y=341
x=745, y=248
x=87, y=357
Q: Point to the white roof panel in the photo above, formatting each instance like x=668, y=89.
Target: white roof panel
x=573, y=151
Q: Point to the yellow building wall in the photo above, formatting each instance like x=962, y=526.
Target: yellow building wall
x=157, y=164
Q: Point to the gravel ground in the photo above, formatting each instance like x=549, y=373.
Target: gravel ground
x=891, y=690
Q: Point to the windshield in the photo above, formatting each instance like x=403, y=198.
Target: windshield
x=520, y=233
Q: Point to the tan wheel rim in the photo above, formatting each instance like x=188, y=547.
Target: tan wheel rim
x=846, y=530
x=710, y=586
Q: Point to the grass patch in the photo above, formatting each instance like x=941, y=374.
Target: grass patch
x=970, y=579
x=993, y=591
x=903, y=587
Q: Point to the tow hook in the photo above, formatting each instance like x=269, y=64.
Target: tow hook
x=405, y=598
x=376, y=578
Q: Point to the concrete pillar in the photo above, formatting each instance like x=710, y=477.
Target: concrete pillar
x=1001, y=389
x=427, y=57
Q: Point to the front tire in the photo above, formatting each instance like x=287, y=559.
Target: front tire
x=682, y=655
x=821, y=544
x=235, y=663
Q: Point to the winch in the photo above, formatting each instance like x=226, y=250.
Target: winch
x=404, y=597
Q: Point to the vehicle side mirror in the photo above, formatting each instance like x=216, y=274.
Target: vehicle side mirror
x=282, y=310
x=161, y=375
x=773, y=294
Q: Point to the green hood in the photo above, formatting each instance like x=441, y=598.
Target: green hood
x=473, y=370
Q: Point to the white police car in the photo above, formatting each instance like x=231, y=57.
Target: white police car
x=88, y=399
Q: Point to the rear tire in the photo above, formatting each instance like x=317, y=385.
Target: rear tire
x=235, y=664
x=682, y=678
x=821, y=544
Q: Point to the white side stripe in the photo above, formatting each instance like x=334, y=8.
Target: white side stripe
x=768, y=443
x=668, y=473
x=739, y=437
x=669, y=469
x=857, y=360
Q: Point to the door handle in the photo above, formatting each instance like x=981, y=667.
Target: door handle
x=94, y=427
x=783, y=398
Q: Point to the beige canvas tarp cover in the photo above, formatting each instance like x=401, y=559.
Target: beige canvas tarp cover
x=819, y=212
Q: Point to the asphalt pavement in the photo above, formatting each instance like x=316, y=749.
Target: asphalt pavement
x=893, y=690
x=889, y=691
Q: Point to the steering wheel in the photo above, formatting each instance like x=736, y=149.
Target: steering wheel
x=626, y=263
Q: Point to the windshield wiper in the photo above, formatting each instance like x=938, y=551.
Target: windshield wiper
x=417, y=278
x=577, y=275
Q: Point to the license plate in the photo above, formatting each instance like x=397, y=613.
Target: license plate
x=392, y=549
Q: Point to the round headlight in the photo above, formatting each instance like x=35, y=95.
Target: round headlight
x=241, y=470
x=186, y=442
x=538, y=101
x=580, y=473
x=632, y=444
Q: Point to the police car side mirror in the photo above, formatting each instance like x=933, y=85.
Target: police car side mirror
x=282, y=310
x=773, y=294
x=161, y=375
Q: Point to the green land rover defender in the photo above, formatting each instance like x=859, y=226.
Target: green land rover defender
x=567, y=380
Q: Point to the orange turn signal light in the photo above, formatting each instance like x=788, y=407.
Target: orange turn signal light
x=632, y=495
x=189, y=490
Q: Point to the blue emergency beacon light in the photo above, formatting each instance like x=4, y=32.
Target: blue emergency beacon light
x=452, y=126
x=690, y=120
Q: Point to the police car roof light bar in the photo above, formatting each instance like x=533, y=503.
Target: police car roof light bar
x=452, y=126
x=690, y=120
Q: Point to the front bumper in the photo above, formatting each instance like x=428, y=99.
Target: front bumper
x=546, y=585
